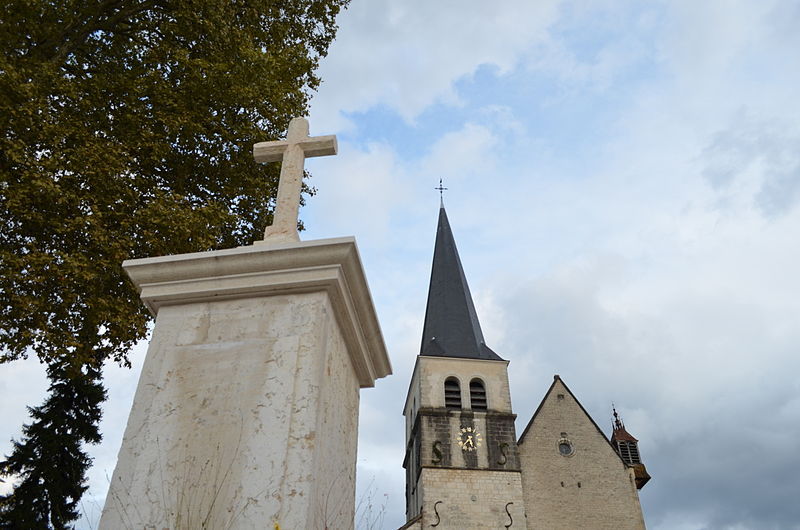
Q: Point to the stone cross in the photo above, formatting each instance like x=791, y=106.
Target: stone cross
x=292, y=152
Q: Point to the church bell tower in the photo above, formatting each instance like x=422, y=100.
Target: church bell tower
x=628, y=449
x=462, y=462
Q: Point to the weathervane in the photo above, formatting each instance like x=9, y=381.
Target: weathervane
x=617, y=422
x=441, y=192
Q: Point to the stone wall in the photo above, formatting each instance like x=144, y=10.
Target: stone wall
x=472, y=498
x=336, y=434
x=589, y=488
x=432, y=372
x=439, y=469
x=246, y=413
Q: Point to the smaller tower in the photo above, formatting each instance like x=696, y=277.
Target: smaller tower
x=628, y=448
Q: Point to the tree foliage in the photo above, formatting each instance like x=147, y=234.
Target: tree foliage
x=126, y=129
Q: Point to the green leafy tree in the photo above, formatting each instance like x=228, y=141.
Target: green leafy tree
x=126, y=129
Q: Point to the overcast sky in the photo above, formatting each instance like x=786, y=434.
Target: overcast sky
x=623, y=180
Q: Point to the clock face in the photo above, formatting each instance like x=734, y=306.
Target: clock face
x=468, y=439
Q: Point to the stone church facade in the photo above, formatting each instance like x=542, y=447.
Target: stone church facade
x=465, y=466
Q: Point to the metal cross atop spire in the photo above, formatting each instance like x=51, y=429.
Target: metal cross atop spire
x=441, y=190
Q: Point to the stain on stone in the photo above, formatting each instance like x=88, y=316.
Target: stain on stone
x=501, y=442
x=467, y=419
x=437, y=428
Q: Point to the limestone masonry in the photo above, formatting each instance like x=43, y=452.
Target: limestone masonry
x=465, y=467
x=246, y=411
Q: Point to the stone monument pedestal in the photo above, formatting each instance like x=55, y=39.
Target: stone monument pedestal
x=246, y=412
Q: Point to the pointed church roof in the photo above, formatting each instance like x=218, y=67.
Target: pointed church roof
x=558, y=381
x=451, y=324
x=619, y=432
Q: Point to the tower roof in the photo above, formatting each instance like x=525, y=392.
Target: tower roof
x=619, y=432
x=451, y=324
x=628, y=449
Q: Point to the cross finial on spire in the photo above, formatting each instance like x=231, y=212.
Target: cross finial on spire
x=617, y=421
x=441, y=190
x=292, y=154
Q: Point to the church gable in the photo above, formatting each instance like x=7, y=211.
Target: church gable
x=571, y=475
x=464, y=466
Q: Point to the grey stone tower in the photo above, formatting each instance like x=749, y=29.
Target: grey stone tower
x=462, y=462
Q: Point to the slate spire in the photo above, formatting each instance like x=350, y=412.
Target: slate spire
x=451, y=324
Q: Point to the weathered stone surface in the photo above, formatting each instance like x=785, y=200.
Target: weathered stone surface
x=438, y=468
x=330, y=265
x=427, y=384
x=292, y=153
x=472, y=499
x=246, y=411
x=592, y=488
x=462, y=458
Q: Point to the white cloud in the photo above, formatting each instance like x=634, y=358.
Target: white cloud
x=710, y=39
x=359, y=189
x=593, y=44
x=370, y=191
x=757, y=159
x=649, y=256
x=407, y=55
x=457, y=154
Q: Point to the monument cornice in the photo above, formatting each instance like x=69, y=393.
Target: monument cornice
x=269, y=269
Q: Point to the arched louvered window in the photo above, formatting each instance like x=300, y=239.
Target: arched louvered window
x=629, y=452
x=452, y=393
x=477, y=395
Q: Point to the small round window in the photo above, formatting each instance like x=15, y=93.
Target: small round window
x=565, y=447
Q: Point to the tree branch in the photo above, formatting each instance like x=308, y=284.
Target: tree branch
x=107, y=17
